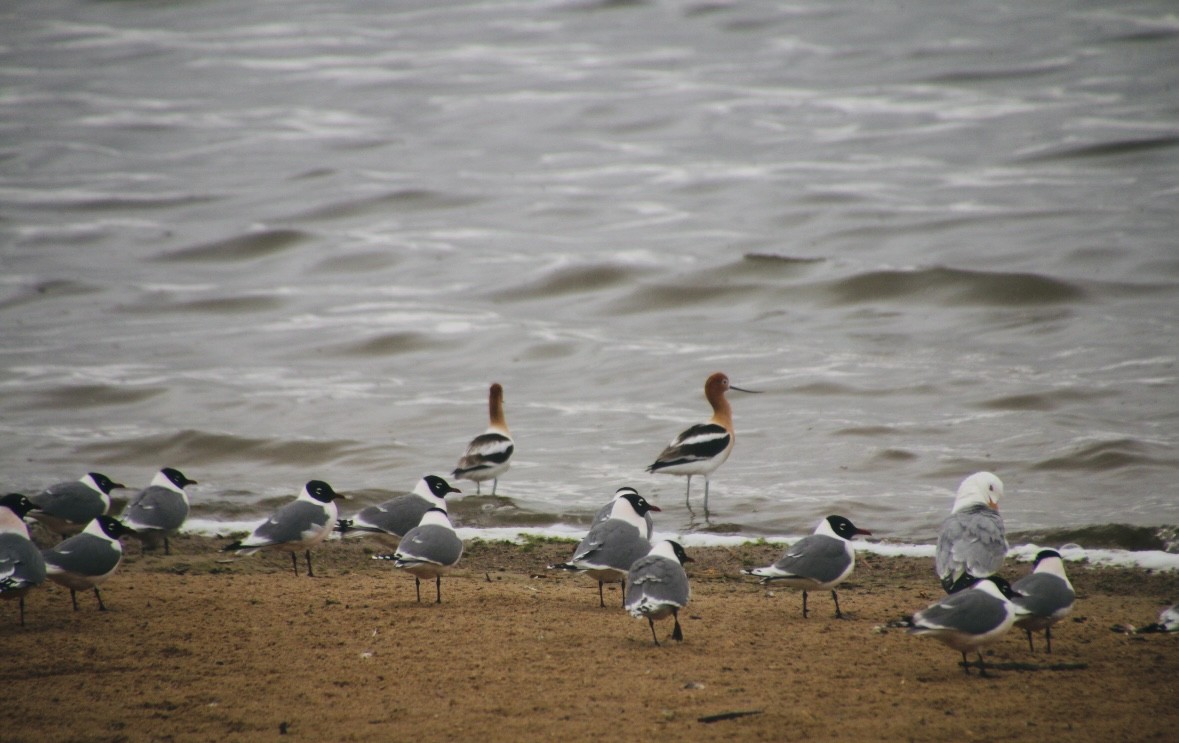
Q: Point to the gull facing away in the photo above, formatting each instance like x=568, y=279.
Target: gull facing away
x=969, y=619
x=972, y=542
x=299, y=525
x=489, y=454
x=67, y=507
x=700, y=449
x=396, y=516
x=85, y=560
x=1046, y=594
x=657, y=586
x=821, y=560
x=612, y=546
x=22, y=566
x=160, y=509
x=427, y=551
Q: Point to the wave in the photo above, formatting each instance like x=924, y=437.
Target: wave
x=1105, y=149
x=1109, y=454
x=569, y=280
x=199, y=448
x=242, y=248
x=74, y=397
x=954, y=286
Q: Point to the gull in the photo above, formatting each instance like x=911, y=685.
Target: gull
x=428, y=550
x=604, y=512
x=657, y=586
x=972, y=542
x=393, y=518
x=1046, y=594
x=969, y=619
x=67, y=507
x=299, y=525
x=22, y=567
x=700, y=449
x=85, y=560
x=610, y=547
x=821, y=560
x=488, y=455
x=1168, y=621
x=160, y=509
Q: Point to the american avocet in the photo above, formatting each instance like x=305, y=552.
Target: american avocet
x=67, y=507
x=821, y=560
x=489, y=454
x=657, y=586
x=299, y=525
x=970, y=619
x=22, y=567
x=1046, y=593
x=87, y=559
x=396, y=516
x=972, y=542
x=612, y=546
x=428, y=550
x=160, y=509
x=705, y=446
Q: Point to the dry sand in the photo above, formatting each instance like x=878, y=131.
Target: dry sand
x=196, y=648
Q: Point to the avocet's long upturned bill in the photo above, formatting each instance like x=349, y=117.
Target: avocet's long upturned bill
x=820, y=561
x=22, y=567
x=427, y=551
x=657, y=586
x=396, y=516
x=160, y=509
x=612, y=546
x=1046, y=594
x=699, y=450
x=299, y=525
x=969, y=619
x=489, y=454
x=87, y=559
x=972, y=543
x=67, y=507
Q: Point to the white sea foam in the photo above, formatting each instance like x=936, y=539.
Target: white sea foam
x=1147, y=559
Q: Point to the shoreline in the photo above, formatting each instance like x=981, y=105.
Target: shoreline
x=200, y=646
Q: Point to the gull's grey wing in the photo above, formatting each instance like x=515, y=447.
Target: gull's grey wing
x=971, y=541
x=657, y=579
x=21, y=563
x=430, y=543
x=1044, y=594
x=818, y=557
x=83, y=554
x=72, y=501
x=288, y=524
x=971, y=611
x=157, y=508
x=612, y=544
x=395, y=516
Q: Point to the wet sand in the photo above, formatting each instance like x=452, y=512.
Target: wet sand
x=195, y=647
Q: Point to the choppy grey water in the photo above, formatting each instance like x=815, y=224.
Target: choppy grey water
x=266, y=242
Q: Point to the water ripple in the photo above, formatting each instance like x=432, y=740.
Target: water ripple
x=242, y=248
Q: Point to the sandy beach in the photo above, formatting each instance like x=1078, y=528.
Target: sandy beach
x=198, y=646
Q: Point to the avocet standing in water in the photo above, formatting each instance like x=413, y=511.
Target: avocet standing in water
x=700, y=449
x=489, y=454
